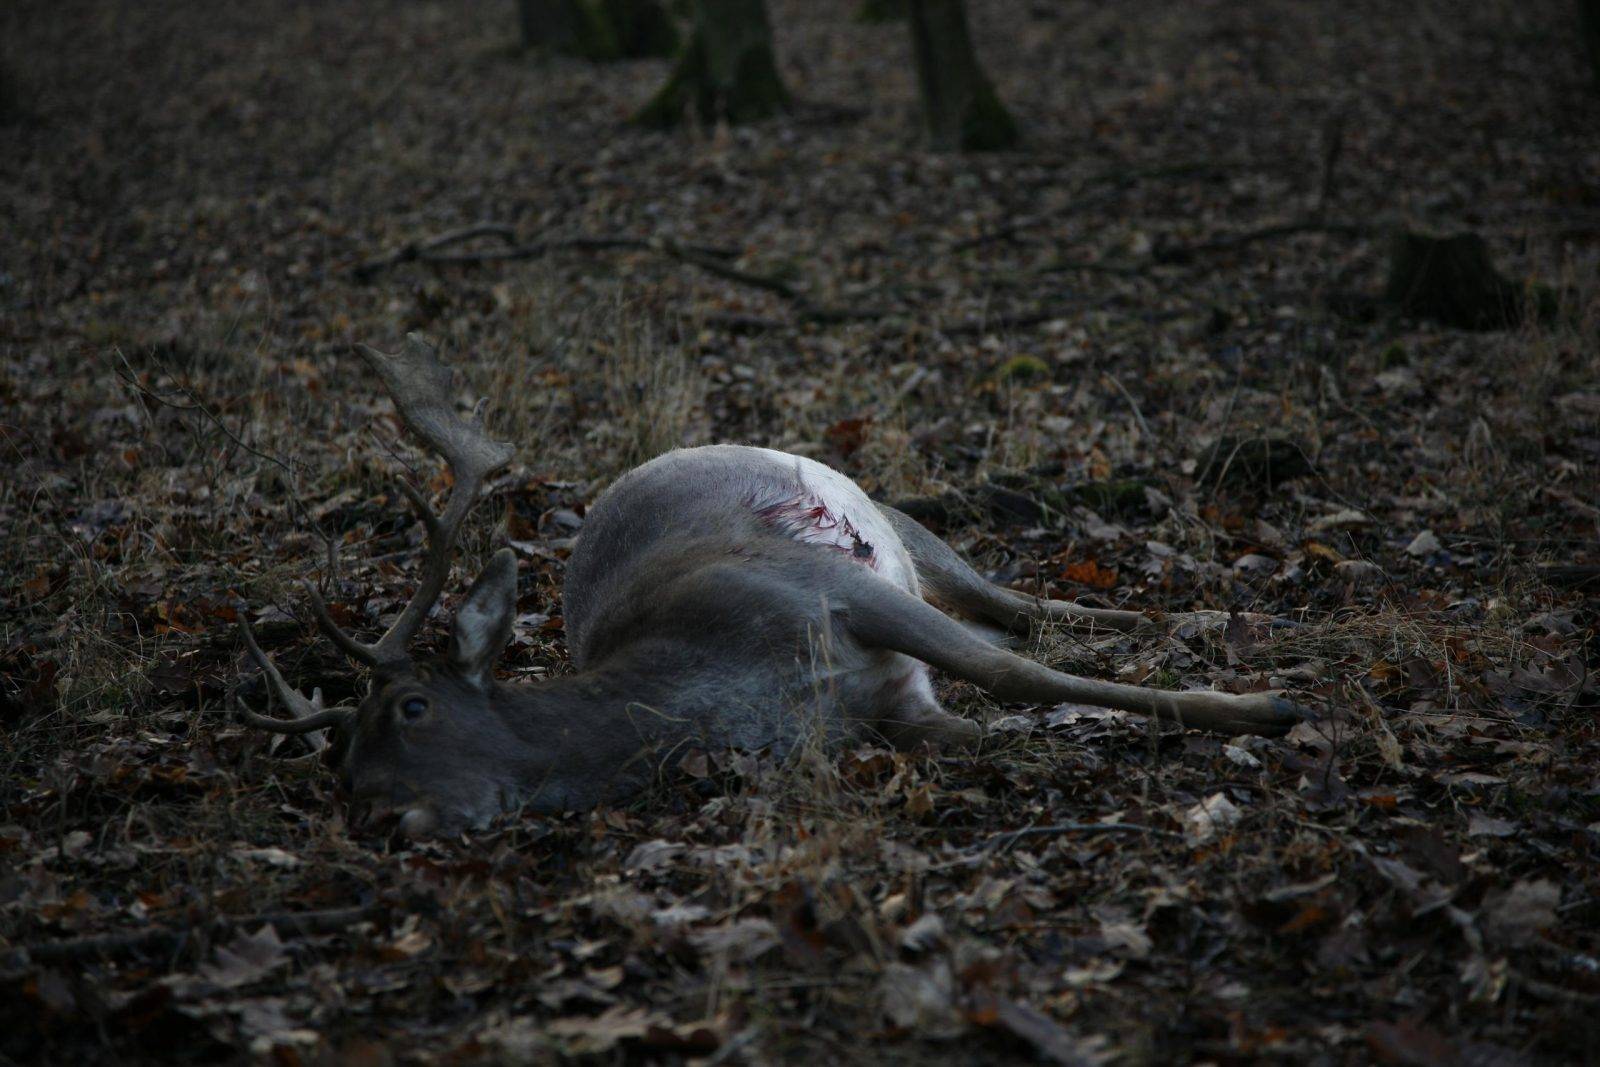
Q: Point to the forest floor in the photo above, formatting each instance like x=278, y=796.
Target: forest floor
x=1414, y=878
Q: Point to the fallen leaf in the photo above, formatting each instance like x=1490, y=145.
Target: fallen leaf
x=594, y=1034
x=245, y=959
x=741, y=941
x=649, y=855
x=1481, y=825
x=1300, y=889
x=273, y=857
x=1126, y=939
x=1049, y=1039
x=407, y=946
x=1411, y=1044
x=920, y=999
x=1425, y=543
x=1211, y=816
x=924, y=934
x=1088, y=572
x=1241, y=758
x=1516, y=917
x=1339, y=520
x=1358, y=571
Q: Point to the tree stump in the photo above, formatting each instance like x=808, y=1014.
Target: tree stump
x=1450, y=280
x=727, y=71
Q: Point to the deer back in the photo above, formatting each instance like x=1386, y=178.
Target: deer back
x=697, y=508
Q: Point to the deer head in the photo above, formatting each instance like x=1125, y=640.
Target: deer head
x=427, y=741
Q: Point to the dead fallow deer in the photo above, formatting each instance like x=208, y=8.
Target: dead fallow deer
x=723, y=596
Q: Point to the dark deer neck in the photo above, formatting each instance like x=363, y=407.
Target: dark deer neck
x=597, y=735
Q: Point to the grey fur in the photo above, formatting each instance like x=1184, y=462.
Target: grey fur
x=691, y=622
x=718, y=597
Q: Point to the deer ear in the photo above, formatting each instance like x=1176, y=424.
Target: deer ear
x=483, y=621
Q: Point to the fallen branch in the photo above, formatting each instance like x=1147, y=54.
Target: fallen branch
x=703, y=257
x=746, y=324
x=1117, y=180
x=1016, y=226
x=167, y=940
x=432, y=249
x=1573, y=575
x=1178, y=254
x=978, y=325
x=1016, y=321
x=709, y=258
x=1049, y=1039
x=1185, y=253
x=710, y=265
x=1072, y=266
x=415, y=250
x=1002, y=842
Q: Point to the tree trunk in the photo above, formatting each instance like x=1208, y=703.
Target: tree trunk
x=960, y=110
x=726, y=71
x=1589, y=27
x=875, y=11
x=10, y=96
x=600, y=30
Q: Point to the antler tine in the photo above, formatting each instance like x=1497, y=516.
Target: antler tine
x=309, y=715
x=347, y=644
x=420, y=387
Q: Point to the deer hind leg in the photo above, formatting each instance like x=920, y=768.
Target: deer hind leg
x=881, y=615
x=949, y=580
x=909, y=715
x=992, y=634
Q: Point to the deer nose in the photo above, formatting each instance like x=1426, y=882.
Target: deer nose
x=375, y=815
x=418, y=822
x=373, y=806
x=397, y=823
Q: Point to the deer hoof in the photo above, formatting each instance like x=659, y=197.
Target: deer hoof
x=1276, y=715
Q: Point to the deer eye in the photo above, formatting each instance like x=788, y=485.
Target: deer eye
x=413, y=707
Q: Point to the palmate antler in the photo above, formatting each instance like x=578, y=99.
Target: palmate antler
x=420, y=387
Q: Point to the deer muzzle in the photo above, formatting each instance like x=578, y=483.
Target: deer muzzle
x=418, y=822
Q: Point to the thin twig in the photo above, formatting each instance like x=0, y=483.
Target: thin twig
x=431, y=250
x=429, y=247
x=1184, y=253
x=1138, y=416
x=687, y=254
x=1117, y=180
x=1016, y=226
x=1070, y=266
x=194, y=403
x=1002, y=842
x=167, y=939
x=1332, y=147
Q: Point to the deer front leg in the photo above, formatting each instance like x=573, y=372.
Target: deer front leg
x=879, y=615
